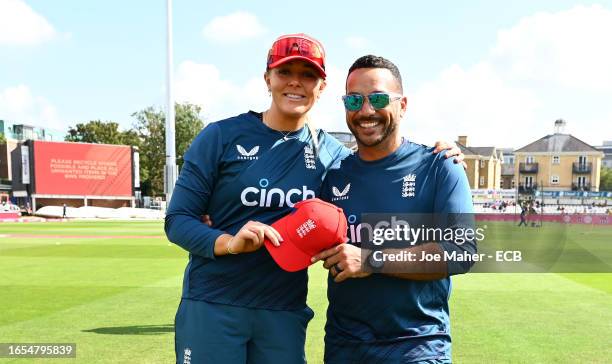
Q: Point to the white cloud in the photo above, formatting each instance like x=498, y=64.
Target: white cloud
x=571, y=48
x=18, y=104
x=203, y=85
x=233, y=28
x=474, y=101
x=546, y=66
x=355, y=42
x=21, y=25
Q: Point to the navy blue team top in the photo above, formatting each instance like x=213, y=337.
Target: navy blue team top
x=238, y=170
x=382, y=318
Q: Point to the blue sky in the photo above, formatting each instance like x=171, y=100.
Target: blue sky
x=500, y=73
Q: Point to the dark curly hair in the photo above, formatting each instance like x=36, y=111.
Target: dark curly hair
x=371, y=61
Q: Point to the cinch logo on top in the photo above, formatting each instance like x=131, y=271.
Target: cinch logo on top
x=262, y=197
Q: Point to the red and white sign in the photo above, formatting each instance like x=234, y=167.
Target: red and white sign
x=82, y=169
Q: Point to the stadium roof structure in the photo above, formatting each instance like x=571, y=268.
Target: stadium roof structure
x=556, y=143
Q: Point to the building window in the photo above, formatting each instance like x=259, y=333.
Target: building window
x=482, y=180
x=582, y=160
x=512, y=183
x=529, y=159
x=554, y=180
x=556, y=159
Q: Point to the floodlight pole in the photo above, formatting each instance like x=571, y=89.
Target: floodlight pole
x=170, y=171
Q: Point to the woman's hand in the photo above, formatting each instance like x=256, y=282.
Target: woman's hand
x=248, y=239
x=452, y=150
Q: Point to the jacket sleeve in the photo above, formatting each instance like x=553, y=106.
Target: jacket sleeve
x=192, y=193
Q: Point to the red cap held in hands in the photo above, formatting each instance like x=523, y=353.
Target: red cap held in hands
x=312, y=227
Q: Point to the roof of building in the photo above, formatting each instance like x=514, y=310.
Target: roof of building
x=465, y=150
x=485, y=151
x=481, y=151
x=558, y=143
x=607, y=149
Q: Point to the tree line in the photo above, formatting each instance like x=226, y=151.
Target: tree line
x=148, y=133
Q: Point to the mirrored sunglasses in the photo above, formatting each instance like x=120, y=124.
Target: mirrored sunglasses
x=378, y=100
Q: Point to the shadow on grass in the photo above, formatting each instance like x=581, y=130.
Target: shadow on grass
x=133, y=330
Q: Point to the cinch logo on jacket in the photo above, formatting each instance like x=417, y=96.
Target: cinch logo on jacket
x=262, y=197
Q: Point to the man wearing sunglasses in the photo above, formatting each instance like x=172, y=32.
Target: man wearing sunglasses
x=402, y=316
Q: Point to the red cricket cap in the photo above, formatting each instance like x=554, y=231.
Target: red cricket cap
x=297, y=46
x=312, y=227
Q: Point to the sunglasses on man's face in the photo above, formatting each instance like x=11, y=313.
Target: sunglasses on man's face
x=378, y=100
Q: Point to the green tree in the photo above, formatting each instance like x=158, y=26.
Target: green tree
x=150, y=126
x=2, y=138
x=188, y=125
x=97, y=131
x=605, y=180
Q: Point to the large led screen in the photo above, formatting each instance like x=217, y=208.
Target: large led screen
x=82, y=169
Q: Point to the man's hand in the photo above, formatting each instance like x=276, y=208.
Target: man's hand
x=452, y=150
x=343, y=261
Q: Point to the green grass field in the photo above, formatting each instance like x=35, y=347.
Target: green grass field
x=116, y=298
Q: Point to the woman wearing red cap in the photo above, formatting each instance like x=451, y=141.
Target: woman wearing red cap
x=246, y=172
